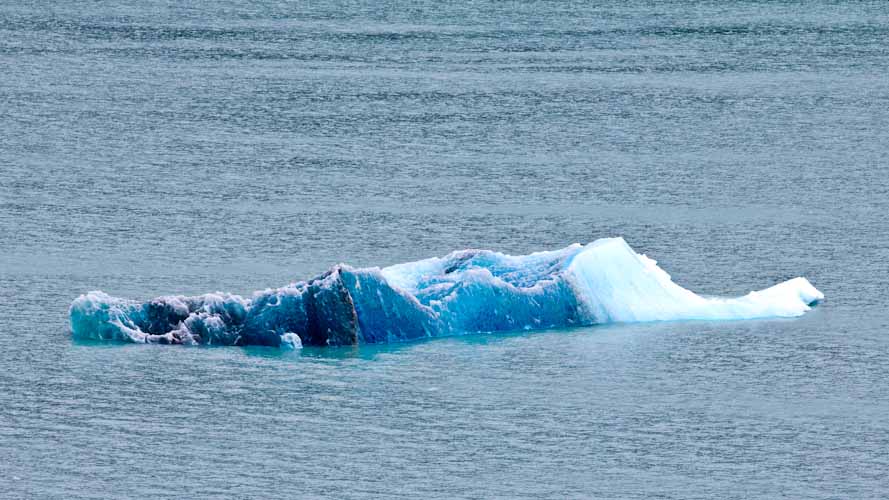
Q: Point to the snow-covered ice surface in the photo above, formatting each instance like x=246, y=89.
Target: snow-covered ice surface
x=467, y=291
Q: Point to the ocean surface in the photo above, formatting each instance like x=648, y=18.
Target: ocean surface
x=149, y=148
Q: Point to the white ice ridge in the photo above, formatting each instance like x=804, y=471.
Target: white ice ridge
x=467, y=291
x=619, y=285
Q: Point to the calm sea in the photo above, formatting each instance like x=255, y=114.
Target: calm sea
x=152, y=147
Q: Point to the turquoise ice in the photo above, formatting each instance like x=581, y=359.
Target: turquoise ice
x=467, y=291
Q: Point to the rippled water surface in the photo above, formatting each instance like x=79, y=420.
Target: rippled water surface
x=152, y=147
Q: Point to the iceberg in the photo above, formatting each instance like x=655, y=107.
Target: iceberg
x=467, y=291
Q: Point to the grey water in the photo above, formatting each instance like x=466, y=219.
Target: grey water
x=151, y=148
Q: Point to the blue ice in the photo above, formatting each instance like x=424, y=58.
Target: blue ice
x=467, y=291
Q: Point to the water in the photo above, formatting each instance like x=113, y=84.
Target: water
x=150, y=148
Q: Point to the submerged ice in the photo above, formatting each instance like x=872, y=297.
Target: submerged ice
x=465, y=292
